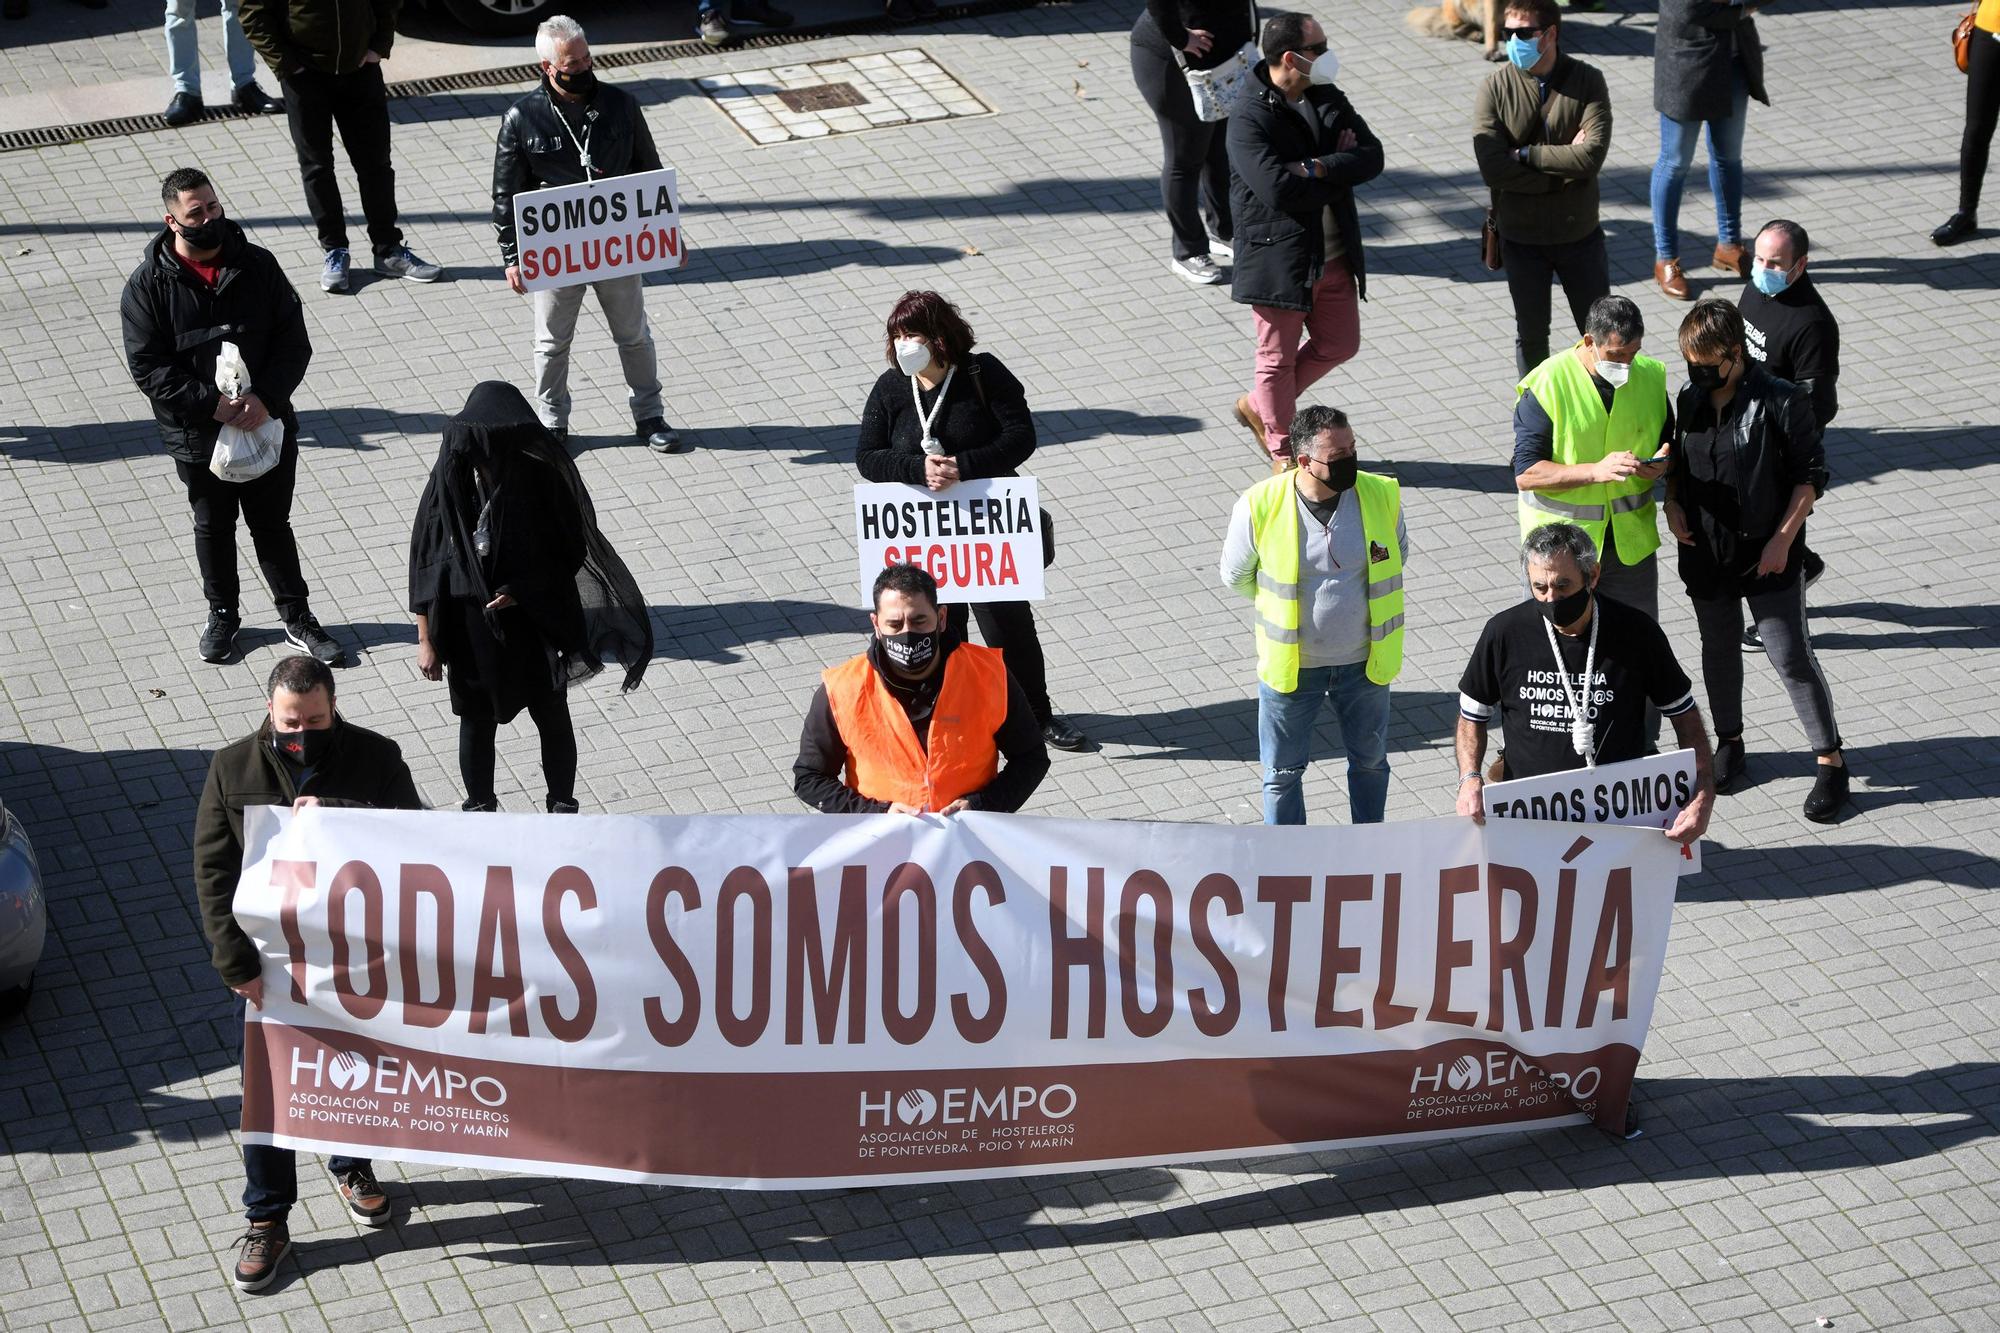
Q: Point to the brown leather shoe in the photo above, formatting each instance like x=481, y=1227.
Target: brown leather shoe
x=1733, y=258
x=1667, y=272
x=263, y=1245
x=1252, y=422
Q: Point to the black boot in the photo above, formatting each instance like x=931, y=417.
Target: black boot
x=1829, y=794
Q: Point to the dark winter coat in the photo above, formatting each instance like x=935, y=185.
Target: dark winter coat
x=990, y=433
x=1695, y=50
x=358, y=768
x=538, y=148
x=1736, y=485
x=1280, y=243
x=175, y=326
x=331, y=36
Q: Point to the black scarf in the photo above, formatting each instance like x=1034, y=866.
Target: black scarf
x=543, y=539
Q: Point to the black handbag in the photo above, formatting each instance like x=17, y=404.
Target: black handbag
x=1048, y=524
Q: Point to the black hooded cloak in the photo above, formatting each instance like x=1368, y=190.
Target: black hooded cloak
x=577, y=605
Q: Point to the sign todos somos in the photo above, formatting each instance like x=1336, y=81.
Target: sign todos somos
x=570, y=234
x=981, y=540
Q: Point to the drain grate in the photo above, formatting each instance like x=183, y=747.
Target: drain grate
x=55, y=136
x=844, y=95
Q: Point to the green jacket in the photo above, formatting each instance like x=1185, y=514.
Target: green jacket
x=331, y=36
x=358, y=768
x=1551, y=199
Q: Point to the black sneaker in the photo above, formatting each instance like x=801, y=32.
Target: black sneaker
x=485, y=807
x=218, y=637
x=184, y=109
x=556, y=807
x=1752, y=639
x=255, y=100
x=305, y=635
x=263, y=1245
x=657, y=435
x=1728, y=765
x=1829, y=794
x=363, y=1197
x=1058, y=732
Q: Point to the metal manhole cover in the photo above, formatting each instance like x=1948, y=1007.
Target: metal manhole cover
x=842, y=96
x=825, y=97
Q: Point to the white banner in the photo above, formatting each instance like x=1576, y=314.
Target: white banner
x=789, y=1001
x=1648, y=792
x=981, y=540
x=615, y=228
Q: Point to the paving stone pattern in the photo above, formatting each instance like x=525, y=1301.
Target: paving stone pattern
x=1820, y=1087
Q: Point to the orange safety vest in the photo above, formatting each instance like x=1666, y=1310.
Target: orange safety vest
x=884, y=760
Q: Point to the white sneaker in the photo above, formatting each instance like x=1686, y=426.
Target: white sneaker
x=1221, y=251
x=1198, y=269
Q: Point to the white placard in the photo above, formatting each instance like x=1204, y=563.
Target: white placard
x=570, y=234
x=981, y=540
x=1639, y=793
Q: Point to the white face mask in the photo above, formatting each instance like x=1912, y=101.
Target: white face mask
x=912, y=356
x=1325, y=68
x=1614, y=373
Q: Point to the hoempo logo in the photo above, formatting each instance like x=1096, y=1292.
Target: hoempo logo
x=916, y=1107
x=348, y=1071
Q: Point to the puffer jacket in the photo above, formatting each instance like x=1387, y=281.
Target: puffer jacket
x=330, y=36
x=1280, y=241
x=538, y=148
x=175, y=325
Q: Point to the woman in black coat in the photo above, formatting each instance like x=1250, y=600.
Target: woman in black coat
x=514, y=590
x=1747, y=468
x=1707, y=65
x=1172, y=36
x=974, y=415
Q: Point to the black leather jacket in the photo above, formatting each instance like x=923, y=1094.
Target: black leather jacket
x=1735, y=484
x=539, y=146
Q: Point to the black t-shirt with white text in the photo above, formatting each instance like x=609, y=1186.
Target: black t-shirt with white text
x=1513, y=672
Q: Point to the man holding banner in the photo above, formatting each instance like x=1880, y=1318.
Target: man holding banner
x=920, y=722
x=573, y=130
x=1320, y=551
x=303, y=754
x=1571, y=674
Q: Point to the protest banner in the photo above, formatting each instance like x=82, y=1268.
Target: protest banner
x=783, y=1001
x=593, y=230
x=981, y=540
x=1647, y=792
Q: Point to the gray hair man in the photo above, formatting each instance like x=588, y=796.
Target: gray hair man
x=1570, y=676
x=572, y=129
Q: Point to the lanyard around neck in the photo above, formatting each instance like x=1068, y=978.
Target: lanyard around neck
x=1582, y=736
x=930, y=442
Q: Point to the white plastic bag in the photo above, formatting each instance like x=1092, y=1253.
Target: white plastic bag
x=242, y=455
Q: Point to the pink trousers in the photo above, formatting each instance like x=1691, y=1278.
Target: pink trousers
x=1286, y=366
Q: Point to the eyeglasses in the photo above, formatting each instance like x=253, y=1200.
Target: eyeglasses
x=1525, y=34
x=1315, y=51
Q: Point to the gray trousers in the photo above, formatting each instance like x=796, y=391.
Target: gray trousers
x=623, y=301
x=1781, y=622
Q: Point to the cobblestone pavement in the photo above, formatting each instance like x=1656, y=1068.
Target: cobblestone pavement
x=1821, y=1084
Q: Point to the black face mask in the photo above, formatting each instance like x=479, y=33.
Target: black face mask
x=580, y=83
x=1340, y=473
x=910, y=651
x=301, y=749
x=1706, y=378
x=1565, y=610
x=208, y=236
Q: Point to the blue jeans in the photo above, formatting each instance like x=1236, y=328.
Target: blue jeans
x=1725, y=173
x=1284, y=741
x=271, y=1179
x=184, y=56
